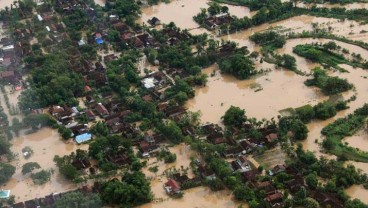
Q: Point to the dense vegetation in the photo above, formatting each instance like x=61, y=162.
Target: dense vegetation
x=133, y=189
x=269, y=38
x=342, y=128
x=327, y=55
x=323, y=110
x=329, y=85
x=76, y=199
x=238, y=65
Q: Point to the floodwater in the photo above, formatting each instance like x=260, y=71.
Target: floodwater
x=304, y=64
x=5, y=3
x=182, y=12
x=100, y=2
x=45, y=143
x=359, y=140
x=194, y=197
x=356, y=76
x=13, y=102
x=358, y=192
x=261, y=97
x=199, y=197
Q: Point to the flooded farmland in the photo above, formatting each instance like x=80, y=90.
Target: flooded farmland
x=358, y=192
x=184, y=11
x=45, y=144
x=261, y=97
x=200, y=197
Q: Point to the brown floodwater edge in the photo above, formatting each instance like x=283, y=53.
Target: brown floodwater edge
x=45, y=143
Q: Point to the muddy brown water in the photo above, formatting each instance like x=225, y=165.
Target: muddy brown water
x=5, y=3
x=358, y=192
x=100, y=2
x=278, y=89
x=182, y=12
x=13, y=102
x=45, y=143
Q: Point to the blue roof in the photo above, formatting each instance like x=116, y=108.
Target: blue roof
x=4, y=194
x=99, y=41
x=83, y=138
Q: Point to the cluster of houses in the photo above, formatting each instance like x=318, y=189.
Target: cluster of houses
x=49, y=200
x=218, y=20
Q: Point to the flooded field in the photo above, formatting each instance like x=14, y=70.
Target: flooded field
x=100, y=2
x=359, y=140
x=199, y=197
x=184, y=11
x=13, y=111
x=261, y=97
x=46, y=143
x=5, y=3
x=358, y=192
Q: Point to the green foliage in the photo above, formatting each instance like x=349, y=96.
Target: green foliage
x=100, y=129
x=16, y=126
x=132, y=190
x=341, y=128
x=310, y=203
x=51, y=82
x=238, y=65
x=29, y=167
x=324, y=110
x=234, y=116
x=311, y=180
x=268, y=38
x=65, y=164
x=6, y=172
x=305, y=113
x=4, y=144
x=329, y=85
x=295, y=125
x=41, y=177
x=65, y=132
x=167, y=156
x=36, y=120
x=76, y=199
x=171, y=131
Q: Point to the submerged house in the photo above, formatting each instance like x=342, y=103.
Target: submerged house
x=172, y=187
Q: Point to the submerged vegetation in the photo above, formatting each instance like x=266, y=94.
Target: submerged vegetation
x=329, y=85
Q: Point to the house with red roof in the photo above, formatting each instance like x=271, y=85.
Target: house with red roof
x=172, y=187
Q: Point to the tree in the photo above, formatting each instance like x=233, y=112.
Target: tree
x=305, y=113
x=29, y=167
x=310, y=203
x=100, y=128
x=6, y=172
x=311, y=180
x=132, y=190
x=238, y=65
x=16, y=126
x=65, y=132
x=41, y=177
x=171, y=131
x=324, y=110
x=76, y=199
x=4, y=145
x=234, y=116
x=299, y=129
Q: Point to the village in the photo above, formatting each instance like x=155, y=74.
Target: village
x=99, y=109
